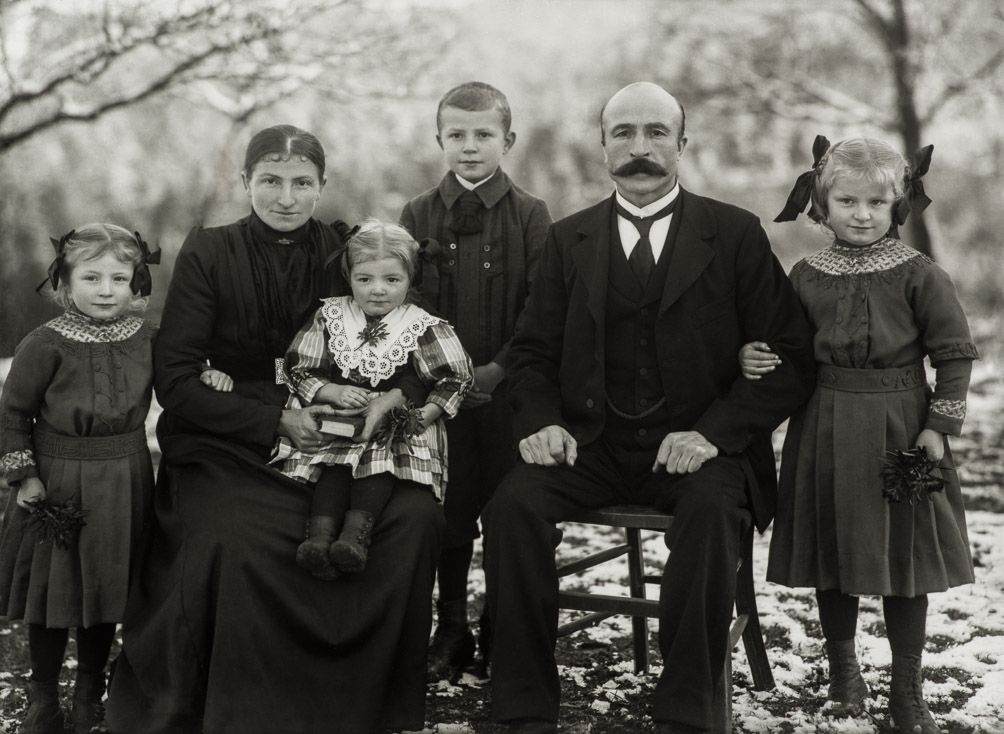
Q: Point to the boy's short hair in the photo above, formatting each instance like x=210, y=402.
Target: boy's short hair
x=89, y=242
x=375, y=240
x=474, y=97
x=864, y=158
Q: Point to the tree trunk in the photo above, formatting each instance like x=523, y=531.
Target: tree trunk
x=904, y=79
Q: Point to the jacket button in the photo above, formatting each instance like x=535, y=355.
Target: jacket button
x=452, y=262
x=487, y=248
x=487, y=265
x=453, y=245
x=886, y=380
x=643, y=371
x=589, y=403
x=642, y=432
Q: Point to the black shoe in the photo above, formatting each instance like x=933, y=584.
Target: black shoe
x=452, y=646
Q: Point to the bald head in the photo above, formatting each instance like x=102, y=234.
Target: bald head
x=644, y=91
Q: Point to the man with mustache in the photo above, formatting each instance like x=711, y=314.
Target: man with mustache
x=627, y=390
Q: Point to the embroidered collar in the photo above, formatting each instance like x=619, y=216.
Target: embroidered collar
x=79, y=327
x=376, y=362
x=263, y=233
x=885, y=254
x=490, y=192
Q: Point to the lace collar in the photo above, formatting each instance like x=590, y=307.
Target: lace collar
x=79, y=327
x=375, y=360
x=885, y=254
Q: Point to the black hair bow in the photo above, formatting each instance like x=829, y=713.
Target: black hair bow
x=57, y=264
x=914, y=198
x=142, y=283
x=801, y=193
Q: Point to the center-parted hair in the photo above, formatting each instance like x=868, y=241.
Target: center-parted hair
x=475, y=97
x=91, y=241
x=282, y=142
x=865, y=159
x=376, y=240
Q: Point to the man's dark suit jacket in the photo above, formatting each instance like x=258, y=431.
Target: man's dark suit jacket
x=724, y=288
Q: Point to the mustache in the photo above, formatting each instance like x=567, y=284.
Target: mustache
x=640, y=165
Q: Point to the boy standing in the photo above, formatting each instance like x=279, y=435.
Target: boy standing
x=491, y=233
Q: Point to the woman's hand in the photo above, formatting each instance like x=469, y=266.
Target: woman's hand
x=218, y=381
x=343, y=396
x=300, y=425
x=756, y=360
x=932, y=442
x=379, y=407
x=31, y=489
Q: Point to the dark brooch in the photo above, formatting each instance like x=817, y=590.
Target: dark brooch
x=55, y=523
x=908, y=476
x=373, y=332
x=400, y=424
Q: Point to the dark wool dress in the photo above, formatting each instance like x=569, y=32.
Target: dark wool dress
x=877, y=311
x=72, y=415
x=224, y=632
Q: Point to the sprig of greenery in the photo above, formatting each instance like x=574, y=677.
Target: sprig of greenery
x=372, y=333
x=54, y=522
x=908, y=476
x=401, y=423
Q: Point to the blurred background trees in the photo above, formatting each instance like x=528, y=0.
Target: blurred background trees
x=137, y=111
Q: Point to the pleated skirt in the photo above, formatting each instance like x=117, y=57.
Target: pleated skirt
x=86, y=582
x=833, y=528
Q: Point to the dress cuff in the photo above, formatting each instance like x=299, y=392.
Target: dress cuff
x=946, y=416
x=18, y=465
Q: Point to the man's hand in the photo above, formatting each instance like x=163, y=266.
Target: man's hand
x=550, y=446
x=486, y=378
x=684, y=452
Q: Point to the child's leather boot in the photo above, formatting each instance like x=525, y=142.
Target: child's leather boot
x=312, y=554
x=906, y=697
x=88, y=711
x=847, y=688
x=44, y=715
x=349, y=552
x=452, y=646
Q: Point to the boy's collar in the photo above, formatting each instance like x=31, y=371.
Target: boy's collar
x=490, y=191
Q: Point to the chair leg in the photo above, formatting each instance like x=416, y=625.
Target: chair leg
x=636, y=583
x=756, y=650
x=722, y=701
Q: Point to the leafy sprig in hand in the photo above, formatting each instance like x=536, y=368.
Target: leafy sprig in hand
x=53, y=522
x=908, y=476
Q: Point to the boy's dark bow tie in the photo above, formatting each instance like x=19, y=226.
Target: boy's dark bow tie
x=641, y=259
x=466, y=214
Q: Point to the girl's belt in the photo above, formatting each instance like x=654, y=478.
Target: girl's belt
x=61, y=446
x=891, y=379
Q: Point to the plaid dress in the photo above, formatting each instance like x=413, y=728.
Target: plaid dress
x=331, y=349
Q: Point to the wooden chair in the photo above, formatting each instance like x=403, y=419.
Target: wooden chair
x=634, y=519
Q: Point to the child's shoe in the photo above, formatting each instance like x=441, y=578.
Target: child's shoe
x=88, y=711
x=906, y=697
x=312, y=554
x=847, y=688
x=452, y=646
x=349, y=552
x=44, y=715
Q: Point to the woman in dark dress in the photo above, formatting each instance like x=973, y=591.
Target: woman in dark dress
x=224, y=633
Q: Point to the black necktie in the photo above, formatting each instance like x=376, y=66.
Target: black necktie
x=466, y=213
x=641, y=259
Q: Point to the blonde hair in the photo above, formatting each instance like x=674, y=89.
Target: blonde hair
x=862, y=158
x=91, y=241
x=375, y=240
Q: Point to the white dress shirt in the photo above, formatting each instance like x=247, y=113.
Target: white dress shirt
x=660, y=228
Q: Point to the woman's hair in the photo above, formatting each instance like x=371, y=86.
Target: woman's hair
x=91, y=241
x=282, y=142
x=862, y=158
x=376, y=240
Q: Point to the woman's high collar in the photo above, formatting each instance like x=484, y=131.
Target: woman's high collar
x=264, y=233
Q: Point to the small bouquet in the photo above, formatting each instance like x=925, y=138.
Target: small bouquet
x=55, y=523
x=373, y=333
x=401, y=424
x=908, y=476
